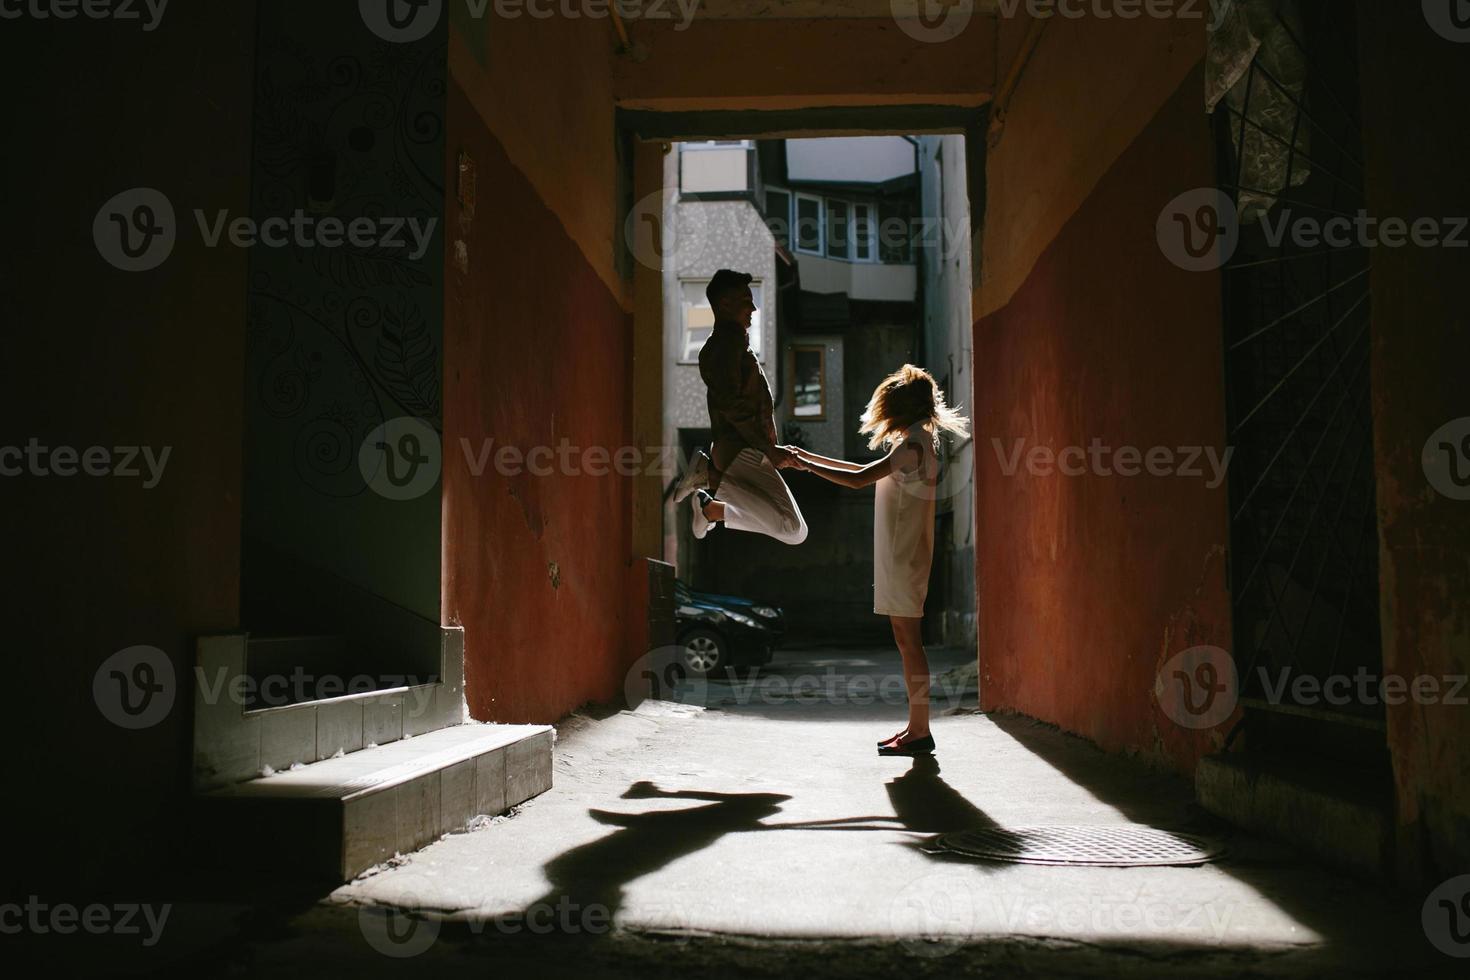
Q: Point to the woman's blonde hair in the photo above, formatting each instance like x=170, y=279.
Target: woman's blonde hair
x=905, y=398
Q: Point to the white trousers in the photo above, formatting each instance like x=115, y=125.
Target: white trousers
x=757, y=499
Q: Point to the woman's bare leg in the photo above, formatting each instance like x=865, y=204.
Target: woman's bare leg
x=908, y=633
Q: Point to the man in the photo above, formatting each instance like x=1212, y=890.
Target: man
x=738, y=483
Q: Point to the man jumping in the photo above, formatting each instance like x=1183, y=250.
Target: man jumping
x=737, y=483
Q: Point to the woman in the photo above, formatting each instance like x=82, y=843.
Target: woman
x=904, y=417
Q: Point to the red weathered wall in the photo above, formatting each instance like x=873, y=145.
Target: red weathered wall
x=1087, y=584
x=536, y=350
x=1415, y=157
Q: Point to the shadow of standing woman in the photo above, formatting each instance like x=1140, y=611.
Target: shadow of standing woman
x=923, y=802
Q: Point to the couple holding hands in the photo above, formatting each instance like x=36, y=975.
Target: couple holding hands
x=738, y=483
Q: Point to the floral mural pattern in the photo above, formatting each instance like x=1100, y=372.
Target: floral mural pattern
x=342, y=338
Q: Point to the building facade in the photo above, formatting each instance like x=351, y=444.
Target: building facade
x=835, y=233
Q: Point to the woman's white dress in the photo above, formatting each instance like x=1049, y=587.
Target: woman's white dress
x=903, y=533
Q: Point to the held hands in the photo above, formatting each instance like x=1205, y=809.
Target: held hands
x=787, y=457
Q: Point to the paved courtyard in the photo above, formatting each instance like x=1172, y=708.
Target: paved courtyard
x=756, y=832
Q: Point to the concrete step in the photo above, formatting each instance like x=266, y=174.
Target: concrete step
x=236, y=741
x=338, y=817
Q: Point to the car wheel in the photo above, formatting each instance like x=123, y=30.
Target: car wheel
x=703, y=651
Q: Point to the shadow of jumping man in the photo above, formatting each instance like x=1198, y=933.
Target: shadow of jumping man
x=586, y=884
x=588, y=881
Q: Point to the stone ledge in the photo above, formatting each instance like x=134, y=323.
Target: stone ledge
x=1340, y=814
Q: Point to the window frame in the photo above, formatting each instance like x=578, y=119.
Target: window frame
x=758, y=292
x=821, y=350
x=715, y=144
x=906, y=255
x=752, y=174
x=824, y=202
x=871, y=210
x=768, y=190
x=821, y=248
x=846, y=206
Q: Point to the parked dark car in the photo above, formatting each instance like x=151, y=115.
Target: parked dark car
x=719, y=631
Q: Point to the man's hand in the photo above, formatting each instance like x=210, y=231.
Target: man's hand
x=798, y=461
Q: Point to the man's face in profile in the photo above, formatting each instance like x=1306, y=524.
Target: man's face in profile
x=737, y=305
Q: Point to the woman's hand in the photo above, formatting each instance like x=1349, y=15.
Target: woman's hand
x=855, y=476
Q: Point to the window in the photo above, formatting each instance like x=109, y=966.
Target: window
x=837, y=229
x=808, y=230
x=851, y=231
x=808, y=383
x=778, y=215
x=699, y=318
x=895, y=232
x=863, y=234
x=717, y=168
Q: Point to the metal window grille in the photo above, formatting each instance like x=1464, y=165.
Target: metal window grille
x=1304, y=555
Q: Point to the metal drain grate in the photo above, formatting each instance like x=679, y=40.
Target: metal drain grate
x=1114, y=847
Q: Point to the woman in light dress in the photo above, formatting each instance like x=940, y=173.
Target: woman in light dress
x=904, y=417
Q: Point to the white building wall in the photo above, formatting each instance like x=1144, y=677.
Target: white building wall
x=948, y=338
x=710, y=235
x=825, y=436
x=700, y=237
x=859, y=280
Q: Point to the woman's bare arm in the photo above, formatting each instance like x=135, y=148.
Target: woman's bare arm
x=865, y=475
x=812, y=457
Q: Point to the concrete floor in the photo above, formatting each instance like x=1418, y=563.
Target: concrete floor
x=761, y=835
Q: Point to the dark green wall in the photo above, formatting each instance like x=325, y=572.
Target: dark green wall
x=342, y=340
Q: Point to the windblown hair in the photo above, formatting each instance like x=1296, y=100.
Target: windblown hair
x=905, y=398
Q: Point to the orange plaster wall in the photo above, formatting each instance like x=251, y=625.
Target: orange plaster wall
x=1088, y=584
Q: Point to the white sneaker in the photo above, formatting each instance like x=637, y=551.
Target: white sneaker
x=695, y=478
x=701, y=523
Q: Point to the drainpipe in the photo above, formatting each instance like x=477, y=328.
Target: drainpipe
x=918, y=344
x=1002, y=102
x=619, y=26
x=625, y=46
